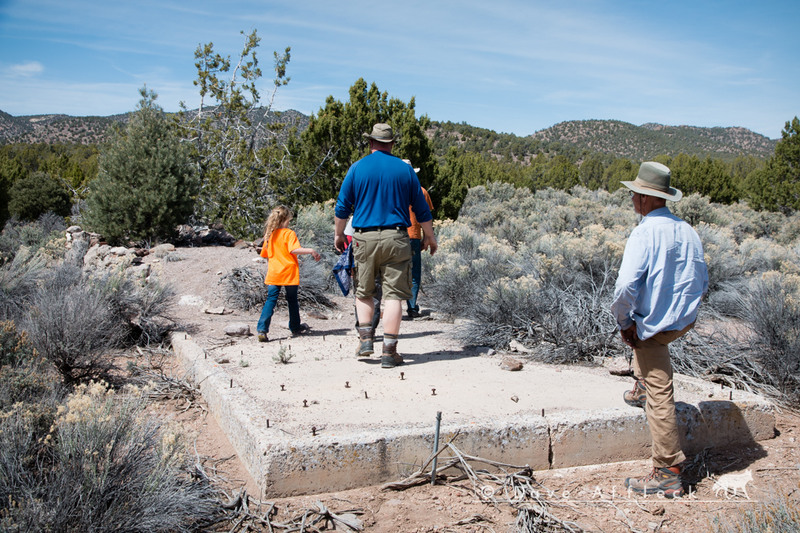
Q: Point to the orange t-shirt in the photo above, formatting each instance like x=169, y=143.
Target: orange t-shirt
x=415, y=230
x=282, y=266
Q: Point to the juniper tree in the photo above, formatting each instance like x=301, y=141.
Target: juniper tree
x=334, y=140
x=777, y=186
x=36, y=194
x=146, y=183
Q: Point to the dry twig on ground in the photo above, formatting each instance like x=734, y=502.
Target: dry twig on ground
x=518, y=489
x=165, y=388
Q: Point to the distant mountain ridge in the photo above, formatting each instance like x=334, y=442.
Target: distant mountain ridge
x=57, y=129
x=649, y=140
x=612, y=137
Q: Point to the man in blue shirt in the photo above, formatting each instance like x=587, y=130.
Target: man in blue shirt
x=378, y=190
x=661, y=281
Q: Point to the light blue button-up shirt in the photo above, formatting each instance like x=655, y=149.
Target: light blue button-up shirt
x=662, y=278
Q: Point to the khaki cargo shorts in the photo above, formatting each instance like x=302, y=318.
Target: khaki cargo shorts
x=385, y=253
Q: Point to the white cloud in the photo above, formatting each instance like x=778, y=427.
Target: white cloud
x=26, y=70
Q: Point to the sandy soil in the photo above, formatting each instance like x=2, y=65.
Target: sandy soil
x=588, y=496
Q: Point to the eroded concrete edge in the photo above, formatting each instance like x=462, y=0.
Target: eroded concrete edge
x=284, y=466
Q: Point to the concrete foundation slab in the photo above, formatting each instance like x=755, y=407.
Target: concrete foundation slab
x=328, y=421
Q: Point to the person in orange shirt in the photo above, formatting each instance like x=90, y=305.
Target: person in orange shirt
x=415, y=236
x=281, y=249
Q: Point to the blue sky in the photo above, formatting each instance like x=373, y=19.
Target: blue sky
x=506, y=65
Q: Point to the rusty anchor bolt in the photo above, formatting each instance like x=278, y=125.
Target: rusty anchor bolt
x=282, y=387
x=267, y=422
x=305, y=403
x=402, y=375
x=433, y=392
x=365, y=395
x=314, y=431
x=346, y=384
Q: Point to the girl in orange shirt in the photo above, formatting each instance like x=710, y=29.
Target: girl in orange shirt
x=281, y=249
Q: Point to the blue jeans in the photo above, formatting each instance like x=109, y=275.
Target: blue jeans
x=416, y=273
x=273, y=291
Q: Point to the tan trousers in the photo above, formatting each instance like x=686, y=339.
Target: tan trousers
x=651, y=363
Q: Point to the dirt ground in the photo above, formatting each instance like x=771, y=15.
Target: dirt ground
x=589, y=498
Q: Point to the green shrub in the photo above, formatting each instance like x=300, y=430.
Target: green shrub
x=778, y=513
x=771, y=308
x=33, y=235
x=694, y=209
x=36, y=194
x=14, y=348
x=18, y=283
x=72, y=325
x=103, y=465
x=141, y=310
x=24, y=375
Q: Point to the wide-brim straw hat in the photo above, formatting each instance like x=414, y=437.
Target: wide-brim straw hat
x=382, y=133
x=653, y=180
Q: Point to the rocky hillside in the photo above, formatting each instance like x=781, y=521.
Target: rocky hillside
x=611, y=137
x=649, y=140
x=55, y=129
x=64, y=129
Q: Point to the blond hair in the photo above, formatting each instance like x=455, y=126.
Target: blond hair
x=277, y=218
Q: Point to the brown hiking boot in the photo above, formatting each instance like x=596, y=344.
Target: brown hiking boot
x=637, y=397
x=390, y=357
x=662, y=481
x=365, y=336
x=262, y=337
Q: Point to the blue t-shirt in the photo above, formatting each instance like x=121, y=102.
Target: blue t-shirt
x=378, y=189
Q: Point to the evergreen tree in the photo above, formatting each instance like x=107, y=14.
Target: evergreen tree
x=560, y=173
x=334, y=140
x=36, y=194
x=591, y=172
x=619, y=170
x=463, y=170
x=146, y=183
x=776, y=187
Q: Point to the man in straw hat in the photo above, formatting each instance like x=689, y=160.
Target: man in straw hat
x=661, y=281
x=378, y=190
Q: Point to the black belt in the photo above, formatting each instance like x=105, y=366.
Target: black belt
x=397, y=227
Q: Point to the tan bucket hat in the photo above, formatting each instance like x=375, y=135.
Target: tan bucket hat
x=653, y=180
x=382, y=133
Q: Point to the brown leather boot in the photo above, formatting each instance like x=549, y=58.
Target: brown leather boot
x=664, y=481
x=389, y=357
x=636, y=397
x=365, y=336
